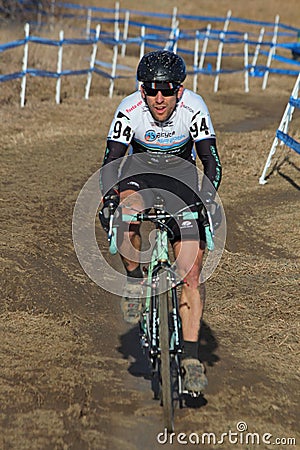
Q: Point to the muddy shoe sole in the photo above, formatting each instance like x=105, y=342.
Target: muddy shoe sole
x=194, y=378
x=131, y=304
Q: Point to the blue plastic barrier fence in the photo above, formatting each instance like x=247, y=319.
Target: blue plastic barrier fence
x=160, y=36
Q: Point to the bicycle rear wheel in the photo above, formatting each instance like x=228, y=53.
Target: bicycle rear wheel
x=165, y=362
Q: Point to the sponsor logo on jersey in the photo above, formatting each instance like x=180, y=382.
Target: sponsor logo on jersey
x=150, y=136
x=134, y=106
x=165, y=134
x=172, y=140
x=183, y=105
x=162, y=136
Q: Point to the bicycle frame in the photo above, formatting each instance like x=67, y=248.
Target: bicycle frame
x=160, y=261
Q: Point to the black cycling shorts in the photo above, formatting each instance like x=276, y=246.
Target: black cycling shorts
x=177, y=196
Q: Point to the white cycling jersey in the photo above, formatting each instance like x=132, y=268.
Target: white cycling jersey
x=134, y=125
x=163, y=145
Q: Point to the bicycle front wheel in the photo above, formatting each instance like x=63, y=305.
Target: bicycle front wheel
x=165, y=363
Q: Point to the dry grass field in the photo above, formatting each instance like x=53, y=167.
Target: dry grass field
x=72, y=373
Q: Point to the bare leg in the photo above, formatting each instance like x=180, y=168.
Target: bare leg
x=189, y=262
x=129, y=244
x=189, y=259
x=130, y=240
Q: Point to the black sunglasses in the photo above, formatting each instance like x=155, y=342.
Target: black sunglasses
x=164, y=92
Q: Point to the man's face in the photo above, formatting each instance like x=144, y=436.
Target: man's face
x=161, y=106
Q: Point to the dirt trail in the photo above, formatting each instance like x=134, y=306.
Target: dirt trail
x=73, y=376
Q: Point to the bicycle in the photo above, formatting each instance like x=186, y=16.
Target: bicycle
x=160, y=324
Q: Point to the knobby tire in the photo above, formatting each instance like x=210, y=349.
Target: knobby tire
x=167, y=395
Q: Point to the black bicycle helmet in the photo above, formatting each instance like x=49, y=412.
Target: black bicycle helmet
x=161, y=66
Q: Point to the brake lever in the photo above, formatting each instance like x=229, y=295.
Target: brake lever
x=210, y=221
x=112, y=231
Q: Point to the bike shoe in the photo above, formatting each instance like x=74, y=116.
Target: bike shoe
x=194, y=378
x=131, y=303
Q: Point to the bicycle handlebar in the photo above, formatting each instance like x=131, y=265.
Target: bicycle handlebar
x=159, y=217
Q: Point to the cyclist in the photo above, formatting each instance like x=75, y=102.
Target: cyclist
x=164, y=122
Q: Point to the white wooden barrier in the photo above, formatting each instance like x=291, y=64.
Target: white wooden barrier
x=59, y=67
x=246, y=62
x=257, y=49
x=271, y=53
x=220, y=50
x=92, y=63
x=24, y=66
